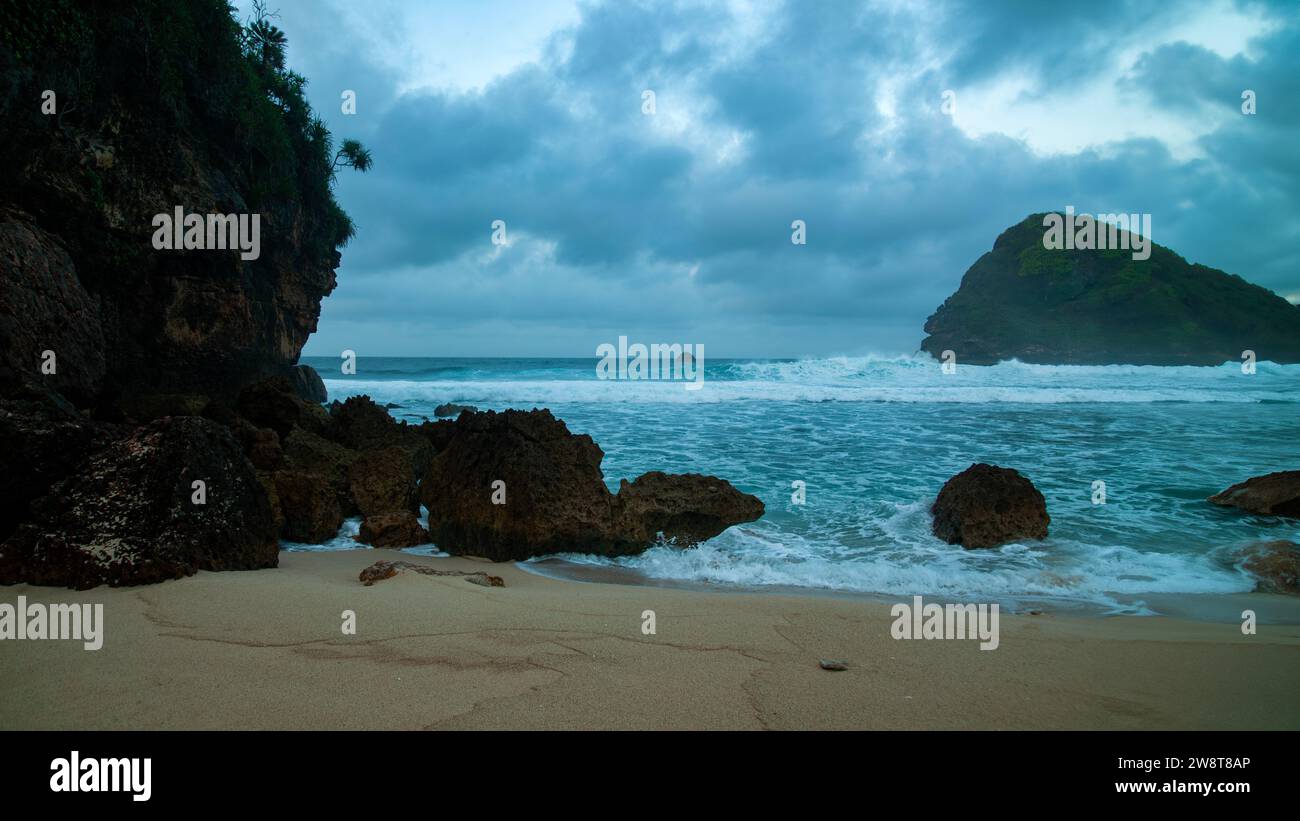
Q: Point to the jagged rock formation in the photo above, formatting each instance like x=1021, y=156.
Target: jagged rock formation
x=396, y=529
x=451, y=409
x=308, y=385
x=130, y=514
x=130, y=367
x=323, y=465
x=272, y=403
x=1093, y=307
x=1275, y=566
x=987, y=506
x=156, y=106
x=307, y=452
x=42, y=441
x=685, y=508
x=553, y=496
x=308, y=506
x=382, y=481
x=383, y=485
x=360, y=424
x=121, y=363
x=1276, y=494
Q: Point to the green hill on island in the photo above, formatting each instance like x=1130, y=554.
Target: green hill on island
x=1101, y=307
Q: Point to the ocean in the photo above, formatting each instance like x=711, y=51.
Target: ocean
x=873, y=439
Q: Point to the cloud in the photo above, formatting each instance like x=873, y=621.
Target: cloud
x=678, y=223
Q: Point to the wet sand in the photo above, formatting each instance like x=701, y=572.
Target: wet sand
x=265, y=649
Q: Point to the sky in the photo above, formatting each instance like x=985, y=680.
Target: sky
x=905, y=135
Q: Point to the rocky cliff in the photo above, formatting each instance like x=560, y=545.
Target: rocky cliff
x=120, y=359
x=111, y=114
x=152, y=422
x=1100, y=307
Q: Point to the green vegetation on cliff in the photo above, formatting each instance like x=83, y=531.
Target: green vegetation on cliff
x=114, y=112
x=1097, y=307
x=187, y=68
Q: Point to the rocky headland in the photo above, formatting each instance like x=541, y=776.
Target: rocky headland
x=1103, y=307
x=154, y=419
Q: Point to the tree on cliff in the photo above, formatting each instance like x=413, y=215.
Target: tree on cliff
x=266, y=44
x=353, y=155
x=265, y=39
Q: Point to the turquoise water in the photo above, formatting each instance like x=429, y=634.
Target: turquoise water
x=873, y=439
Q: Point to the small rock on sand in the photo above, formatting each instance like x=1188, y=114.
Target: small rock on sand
x=387, y=570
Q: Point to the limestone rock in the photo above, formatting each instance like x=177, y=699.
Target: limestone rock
x=383, y=481
x=128, y=515
x=516, y=484
x=394, y=529
x=1275, y=566
x=1275, y=494
x=987, y=506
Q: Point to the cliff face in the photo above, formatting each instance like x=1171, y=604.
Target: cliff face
x=155, y=105
x=112, y=114
x=1100, y=307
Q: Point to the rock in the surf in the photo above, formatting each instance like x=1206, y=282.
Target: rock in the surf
x=986, y=506
x=398, y=528
x=451, y=409
x=1275, y=566
x=685, y=509
x=1275, y=494
x=309, y=506
x=516, y=484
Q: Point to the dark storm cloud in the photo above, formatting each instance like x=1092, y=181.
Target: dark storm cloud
x=1061, y=42
x=804, y=94
x=681, y=221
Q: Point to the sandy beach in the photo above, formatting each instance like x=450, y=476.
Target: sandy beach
x=265, y=649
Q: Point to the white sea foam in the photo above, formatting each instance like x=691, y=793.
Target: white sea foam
x=864, y=379
x=345, y=539
x=1107, y=576
x=866, y=527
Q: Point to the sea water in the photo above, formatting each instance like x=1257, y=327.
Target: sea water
x=873, y=440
